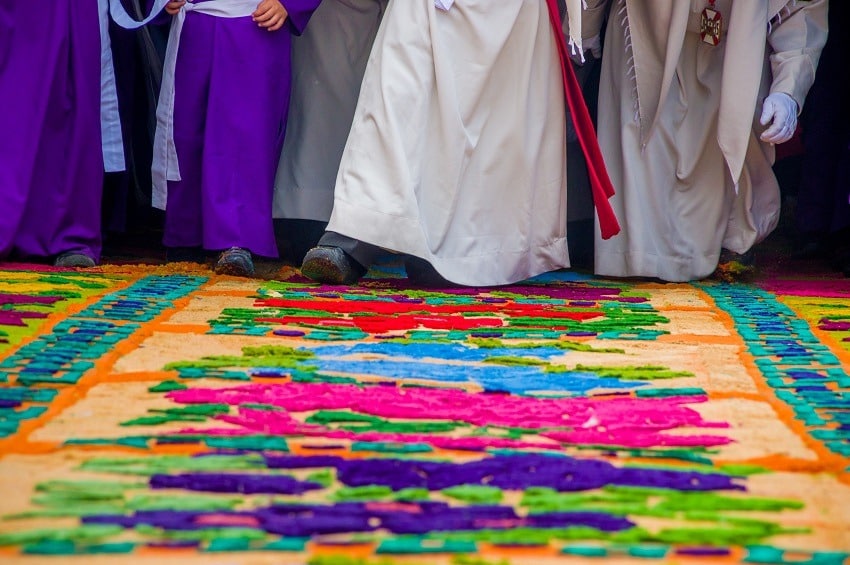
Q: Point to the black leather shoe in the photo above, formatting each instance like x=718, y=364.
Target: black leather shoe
x=331, y=265
x=235, y=261
x=73, y=259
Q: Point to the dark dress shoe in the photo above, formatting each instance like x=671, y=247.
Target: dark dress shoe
x=331, y=265
x=235, y=261
x=73, y=259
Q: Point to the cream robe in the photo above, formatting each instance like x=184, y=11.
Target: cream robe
x=678, y=126
x=457, y=148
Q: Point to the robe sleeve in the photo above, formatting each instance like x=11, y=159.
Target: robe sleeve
x=299, y=13
x=797, y=36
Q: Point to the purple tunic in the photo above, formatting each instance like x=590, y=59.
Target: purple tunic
x=51, y=163
x=231, y=101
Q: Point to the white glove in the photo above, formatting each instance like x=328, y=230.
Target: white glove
x=779, y=110
x=592, y=44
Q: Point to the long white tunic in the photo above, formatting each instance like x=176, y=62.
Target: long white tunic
x=457, y=148
x=678, y=126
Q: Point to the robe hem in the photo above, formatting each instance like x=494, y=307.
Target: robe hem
x=625, y=265
x=372, y=227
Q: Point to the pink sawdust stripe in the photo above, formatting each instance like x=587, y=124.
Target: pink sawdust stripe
x=623, y=421
x=13, y=266
x=822, y=288
x=282, y=424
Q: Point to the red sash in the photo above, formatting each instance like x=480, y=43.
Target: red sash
x=600, y=183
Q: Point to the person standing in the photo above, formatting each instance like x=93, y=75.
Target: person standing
x=60, y=130
x=221, y=126
x=457, y=152
x=328, y=63
x=693, y=97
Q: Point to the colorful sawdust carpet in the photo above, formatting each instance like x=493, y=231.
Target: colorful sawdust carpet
x=148, y=416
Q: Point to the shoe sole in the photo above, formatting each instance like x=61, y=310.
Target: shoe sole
x=324, y=271
x=233, y=270
x=75, y=263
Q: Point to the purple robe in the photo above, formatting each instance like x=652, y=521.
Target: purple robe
x=231, y=101
x=51, y=163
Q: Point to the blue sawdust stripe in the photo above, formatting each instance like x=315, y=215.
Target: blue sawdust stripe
x=802, y=371
x=61, y=357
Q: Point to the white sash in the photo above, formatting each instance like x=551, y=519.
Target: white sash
x=165, y=165
x=120, y=16
x=574, y=8
x=112, y=145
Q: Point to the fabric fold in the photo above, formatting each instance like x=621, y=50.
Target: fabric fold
x=600, y=183
x=165, y=163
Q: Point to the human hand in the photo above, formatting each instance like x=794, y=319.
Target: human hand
x=174, y=6
x=270, y=14
x=779, y=110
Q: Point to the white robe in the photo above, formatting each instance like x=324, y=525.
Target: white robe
x=678, y=127
x=457, y=150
